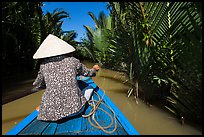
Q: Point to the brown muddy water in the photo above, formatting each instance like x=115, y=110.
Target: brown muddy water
x=146, y=120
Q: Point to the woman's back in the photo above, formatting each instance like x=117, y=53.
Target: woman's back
x=61, y=97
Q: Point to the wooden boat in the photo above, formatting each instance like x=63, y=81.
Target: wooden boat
x=78, y=125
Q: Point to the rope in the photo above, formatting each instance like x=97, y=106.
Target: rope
x=93, y=111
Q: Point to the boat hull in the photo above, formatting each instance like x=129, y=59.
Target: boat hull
x=77, y=125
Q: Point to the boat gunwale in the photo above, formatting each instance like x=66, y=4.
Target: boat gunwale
x=119, y=115
x=25, y=122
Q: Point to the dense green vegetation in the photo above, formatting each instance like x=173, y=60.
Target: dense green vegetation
x=24, y=27
x=157, y=44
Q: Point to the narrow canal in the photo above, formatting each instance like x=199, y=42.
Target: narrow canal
x=146, y=120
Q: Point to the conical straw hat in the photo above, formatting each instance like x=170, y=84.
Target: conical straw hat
x=53, y=46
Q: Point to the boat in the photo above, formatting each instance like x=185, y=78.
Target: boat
x=79, y=125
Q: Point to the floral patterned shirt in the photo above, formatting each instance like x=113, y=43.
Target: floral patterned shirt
x=62, y=96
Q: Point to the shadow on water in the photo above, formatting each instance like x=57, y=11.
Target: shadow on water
x=17, y=86
x=9, y=96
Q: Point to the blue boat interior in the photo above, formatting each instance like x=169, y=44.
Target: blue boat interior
x=76, y=125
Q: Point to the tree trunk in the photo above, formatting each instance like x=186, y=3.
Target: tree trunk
x=136, y=90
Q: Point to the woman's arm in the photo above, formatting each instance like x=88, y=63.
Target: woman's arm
x=83, y=70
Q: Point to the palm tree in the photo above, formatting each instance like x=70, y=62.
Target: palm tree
x=98, y=38
x=127, y=37
x=157, y=39
x=24, y=27
x=53, y=22
x=18, y=39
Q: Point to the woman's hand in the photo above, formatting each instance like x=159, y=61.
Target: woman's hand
x=96, y=67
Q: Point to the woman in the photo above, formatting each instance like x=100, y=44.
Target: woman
x=62, y=97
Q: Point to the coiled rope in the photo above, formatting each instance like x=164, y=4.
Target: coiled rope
x=93, y=111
